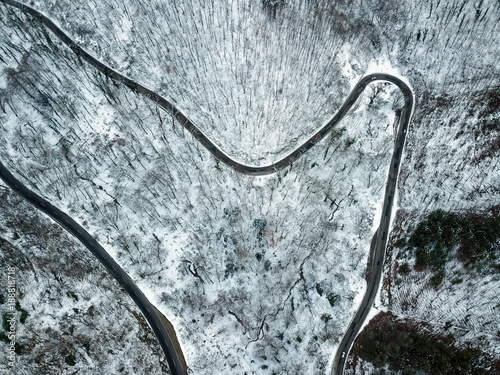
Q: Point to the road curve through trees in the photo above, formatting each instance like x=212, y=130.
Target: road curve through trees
x=166, y=335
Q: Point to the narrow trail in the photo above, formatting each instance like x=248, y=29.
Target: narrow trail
x=161, y=327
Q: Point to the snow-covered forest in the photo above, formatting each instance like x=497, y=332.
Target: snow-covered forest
x=258, y=274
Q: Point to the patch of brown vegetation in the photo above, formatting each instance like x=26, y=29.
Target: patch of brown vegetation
x=429, y=104
x=412, y=346
x=269, y=234
x=391, y=264
x=487, y=132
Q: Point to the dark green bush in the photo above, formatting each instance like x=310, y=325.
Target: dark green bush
x=333, y=299
x=319, y=289
x=24, y=316
x=5, y=323
x=326, y=317
x=404, y=269
x=475, y=237
x=70, y=359
x=4, y=337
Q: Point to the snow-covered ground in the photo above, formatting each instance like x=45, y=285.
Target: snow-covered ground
x=268, y=251
x=76, y=310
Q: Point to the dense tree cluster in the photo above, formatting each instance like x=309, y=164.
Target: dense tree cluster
x=474, y=237
x=487, y=131
x=408, y=349
x=204, y=239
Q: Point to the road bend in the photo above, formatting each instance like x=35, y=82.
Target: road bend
x=168, y=341
x=376, y=261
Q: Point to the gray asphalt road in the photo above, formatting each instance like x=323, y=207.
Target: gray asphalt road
x=376, y=262
x=169, y=345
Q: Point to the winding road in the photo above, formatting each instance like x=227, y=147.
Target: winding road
x=161, y=327
x=165, y=334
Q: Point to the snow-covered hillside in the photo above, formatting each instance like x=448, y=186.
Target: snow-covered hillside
x=78, y=319
x=258, y=275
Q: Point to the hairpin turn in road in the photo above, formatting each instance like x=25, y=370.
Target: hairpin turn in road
x=161, y=327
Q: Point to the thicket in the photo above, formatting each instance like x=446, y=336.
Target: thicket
x=475, y=238
x=407, y=349
x=488, y=127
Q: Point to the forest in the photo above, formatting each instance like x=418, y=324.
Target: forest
x=257, y=274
